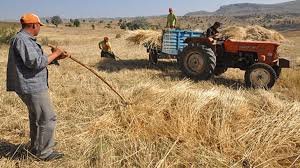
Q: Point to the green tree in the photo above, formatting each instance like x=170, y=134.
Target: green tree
x=56, y=20
x=108, y=26
x=139, y=23
x=123, y=26
x=76, y=23
x=120, y=22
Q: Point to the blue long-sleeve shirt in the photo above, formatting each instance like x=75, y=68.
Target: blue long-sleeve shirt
x=27, y=65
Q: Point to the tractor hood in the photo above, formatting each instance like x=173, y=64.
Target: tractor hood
x=250, y=46
x=275, y=44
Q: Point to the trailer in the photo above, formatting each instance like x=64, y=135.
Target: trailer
x=172, y=44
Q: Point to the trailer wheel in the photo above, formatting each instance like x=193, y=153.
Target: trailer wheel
x=153, y=57
x=198, y=62
x=260, y=75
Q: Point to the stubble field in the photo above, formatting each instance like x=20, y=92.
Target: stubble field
x=171, y=121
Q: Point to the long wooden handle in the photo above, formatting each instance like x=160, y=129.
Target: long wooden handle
x=95, y=73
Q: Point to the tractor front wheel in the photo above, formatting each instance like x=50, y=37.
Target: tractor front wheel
x=260, y=75
x=197, y=62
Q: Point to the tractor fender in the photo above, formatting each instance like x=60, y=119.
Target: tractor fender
x=284, y=63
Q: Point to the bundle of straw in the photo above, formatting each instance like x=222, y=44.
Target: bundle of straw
x=145, y=37
x=253, y=33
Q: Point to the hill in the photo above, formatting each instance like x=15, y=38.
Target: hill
x=240, y=9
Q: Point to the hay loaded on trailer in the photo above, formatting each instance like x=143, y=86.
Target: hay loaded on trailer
x=200, y=57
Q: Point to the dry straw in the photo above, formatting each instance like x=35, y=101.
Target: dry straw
x=172, y=122
x=187, y=127
x=145, y=37
x=255, y=33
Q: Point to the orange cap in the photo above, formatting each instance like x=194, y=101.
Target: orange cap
x=30, y=18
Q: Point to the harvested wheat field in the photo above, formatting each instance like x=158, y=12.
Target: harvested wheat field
x=171, y=121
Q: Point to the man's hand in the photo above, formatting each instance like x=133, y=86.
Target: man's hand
x=63, y=55
x=56, y=51
x=218, y=36
x=57, y=54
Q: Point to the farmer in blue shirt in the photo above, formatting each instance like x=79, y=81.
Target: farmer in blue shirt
x=27, y=75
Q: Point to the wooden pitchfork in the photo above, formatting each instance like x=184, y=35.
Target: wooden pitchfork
x=94, y=72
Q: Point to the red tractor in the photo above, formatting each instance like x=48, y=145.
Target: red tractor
x=204, y=57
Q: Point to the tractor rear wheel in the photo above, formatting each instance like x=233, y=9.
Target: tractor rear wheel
x=198, y=62
x=260, y=75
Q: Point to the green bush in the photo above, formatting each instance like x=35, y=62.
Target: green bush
x=120, y=22
x=123, y=26
x=76, y=23
x=56, y=20
x=108, y=26
x=139, y=23
x=6, y=33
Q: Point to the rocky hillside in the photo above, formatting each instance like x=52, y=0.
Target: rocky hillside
x=292, y=7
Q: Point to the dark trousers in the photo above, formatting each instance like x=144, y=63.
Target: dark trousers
x=107, y=54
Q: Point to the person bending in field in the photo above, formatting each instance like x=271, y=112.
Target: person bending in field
x=105, y=48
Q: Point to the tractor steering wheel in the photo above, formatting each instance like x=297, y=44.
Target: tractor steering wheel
x=222, y=38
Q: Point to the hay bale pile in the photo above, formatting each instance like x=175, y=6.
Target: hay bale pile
x=257, y=33
x=254, y=33
x=145, y=37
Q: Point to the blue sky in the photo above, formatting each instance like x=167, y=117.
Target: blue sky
x=12, y=9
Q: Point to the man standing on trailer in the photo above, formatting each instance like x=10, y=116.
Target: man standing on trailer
x=171, y=19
